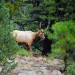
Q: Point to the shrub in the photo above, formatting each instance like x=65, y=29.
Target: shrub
x=8, y=46
x=57, y=53
x=24, y=52
x=63, y=37
x=71, y=69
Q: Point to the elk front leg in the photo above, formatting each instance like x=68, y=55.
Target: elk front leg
x=30, y=48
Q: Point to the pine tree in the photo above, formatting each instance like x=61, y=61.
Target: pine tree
x=8, y=46
x=63, y=39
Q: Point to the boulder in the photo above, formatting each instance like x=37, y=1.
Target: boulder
x=38, y=66
x=56, y=64
x=27, y=72
x=56, y=72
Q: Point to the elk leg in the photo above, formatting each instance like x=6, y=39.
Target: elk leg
x=29, y=48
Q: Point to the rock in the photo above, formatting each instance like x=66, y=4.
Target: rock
x=56, y=72
x=11, y=74
x=40, y=67
x=1, y=68
x=37, y=66
x=27, y=72
x=41, y=71
x=56, y=64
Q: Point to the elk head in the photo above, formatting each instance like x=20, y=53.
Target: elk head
x=41, y=34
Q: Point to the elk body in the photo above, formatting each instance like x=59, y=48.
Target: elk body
x=28, y=37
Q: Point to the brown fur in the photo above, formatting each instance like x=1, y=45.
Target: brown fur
x=35, y=36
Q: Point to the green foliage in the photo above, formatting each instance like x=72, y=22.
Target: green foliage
x=57, y=53
x=11, y=7
x=51, y=10
x=32, y=27
x=43, y=10
x=71, y=69
x=24, y=52
x=8, y=67
x=8, y=45
x=63, y=37
x=64, y=34
x=14, y=8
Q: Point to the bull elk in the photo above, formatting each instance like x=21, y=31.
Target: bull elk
x=28, y=37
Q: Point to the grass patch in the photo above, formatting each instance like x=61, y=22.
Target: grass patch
x=24, y=52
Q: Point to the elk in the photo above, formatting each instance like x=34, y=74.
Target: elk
x=28, y=37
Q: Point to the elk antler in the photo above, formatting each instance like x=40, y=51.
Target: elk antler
x=40, y=25
x=47, y=27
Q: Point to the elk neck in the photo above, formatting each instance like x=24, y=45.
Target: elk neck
x=36, y=37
